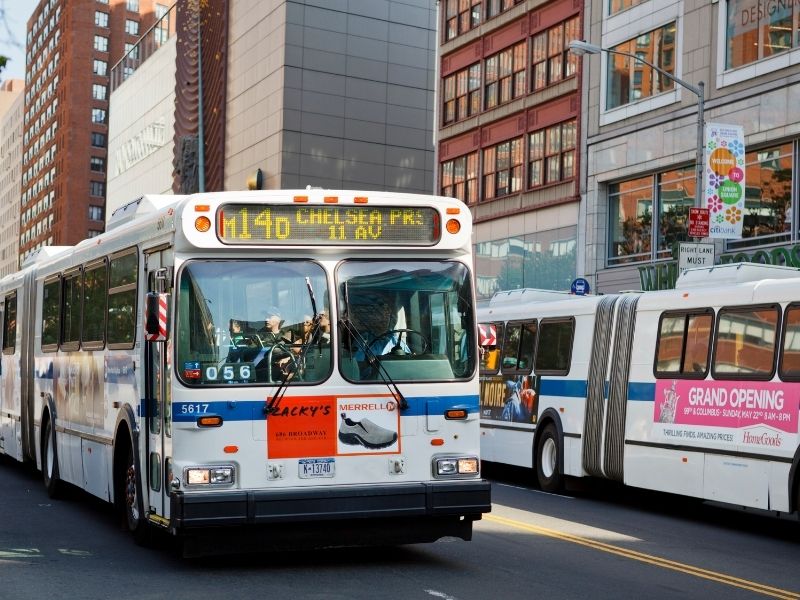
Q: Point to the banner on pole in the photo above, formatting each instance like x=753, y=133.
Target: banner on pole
x=723, y=179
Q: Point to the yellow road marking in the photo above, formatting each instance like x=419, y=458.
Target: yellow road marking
x=752, y=586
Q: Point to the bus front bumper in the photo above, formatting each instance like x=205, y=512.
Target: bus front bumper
x=464, y=500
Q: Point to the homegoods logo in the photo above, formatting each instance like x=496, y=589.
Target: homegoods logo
x=762, y=438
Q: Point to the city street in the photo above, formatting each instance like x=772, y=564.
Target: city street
x=596, y=542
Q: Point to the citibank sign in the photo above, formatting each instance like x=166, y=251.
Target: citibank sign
x=141, y=145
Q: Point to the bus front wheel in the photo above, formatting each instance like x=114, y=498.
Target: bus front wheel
x=547, y=460
x=132, y=501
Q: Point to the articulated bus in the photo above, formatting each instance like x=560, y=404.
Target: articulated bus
x=693, y=391
x=182, y=366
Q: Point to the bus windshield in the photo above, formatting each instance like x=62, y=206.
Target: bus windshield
x=409, y=321
x=251, y=322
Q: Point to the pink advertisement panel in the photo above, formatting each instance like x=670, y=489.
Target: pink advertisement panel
x=728, y=404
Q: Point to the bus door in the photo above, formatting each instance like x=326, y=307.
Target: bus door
x=157, y=457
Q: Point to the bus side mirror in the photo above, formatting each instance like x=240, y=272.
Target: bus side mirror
x=156, y=317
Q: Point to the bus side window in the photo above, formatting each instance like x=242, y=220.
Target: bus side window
x=554, y=347
x=518, y=347
x=790, y=352
x=745, y=344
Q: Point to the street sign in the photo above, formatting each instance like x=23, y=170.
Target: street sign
x=698, y=222
x=580, y=287
x=695, y=255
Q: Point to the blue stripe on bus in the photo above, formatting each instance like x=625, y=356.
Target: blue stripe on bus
x=253, y=410
x=576, y=388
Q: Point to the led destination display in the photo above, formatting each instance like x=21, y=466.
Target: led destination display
x=328, y=224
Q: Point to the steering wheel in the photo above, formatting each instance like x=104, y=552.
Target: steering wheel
x=246, y=341
x=397, y=351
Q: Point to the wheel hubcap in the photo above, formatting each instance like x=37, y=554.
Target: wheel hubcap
x=548, y=458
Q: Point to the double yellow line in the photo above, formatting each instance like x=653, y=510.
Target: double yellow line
x=664, y=563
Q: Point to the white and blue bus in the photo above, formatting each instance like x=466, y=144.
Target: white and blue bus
x=183, y=366
x=692, y=391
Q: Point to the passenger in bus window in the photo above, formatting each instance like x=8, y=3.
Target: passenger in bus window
x=273, y=336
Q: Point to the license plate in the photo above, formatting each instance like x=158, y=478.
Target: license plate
x=317, y=467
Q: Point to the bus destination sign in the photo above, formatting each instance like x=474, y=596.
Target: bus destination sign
x=328, y=224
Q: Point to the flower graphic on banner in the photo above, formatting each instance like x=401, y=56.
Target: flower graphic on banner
x=737, y=147
x=719, y=218
x=714, y=180
x=733, y=215
x=712, y=144
x=714, y=204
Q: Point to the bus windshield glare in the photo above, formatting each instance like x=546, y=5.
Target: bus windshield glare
x=251, y=322
x=405, y=321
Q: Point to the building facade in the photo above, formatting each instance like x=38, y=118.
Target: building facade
x=331, y=93
x=70, y=49
x=641, y=131
x=11, y=104
x=508, y=127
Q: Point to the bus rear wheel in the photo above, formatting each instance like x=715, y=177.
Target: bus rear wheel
x=547, y=460
x=52, y=481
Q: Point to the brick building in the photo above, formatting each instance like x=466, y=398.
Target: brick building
x=508, y=130
x=70, y=49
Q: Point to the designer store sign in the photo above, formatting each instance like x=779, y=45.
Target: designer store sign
x=723, y=179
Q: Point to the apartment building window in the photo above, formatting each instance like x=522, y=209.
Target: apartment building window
x=97, y=188
x=101, y=43
x=461, y=16
x=98, y=140
x=460, y=178
x=631, y=80
x=550, y=56
x=95, y=213
x=132, y=51
x=97, y=163
x=131, y=27
x=100, y=18
x=99, y=67
x=98, y=115
x=98, y=91
x=551, y=154
x=495, y=7
x=502, y=169
x=462, y=94
x=648, y=215
x=133, y=5
x=615, y=6
x=505, y=75
x=756, y=32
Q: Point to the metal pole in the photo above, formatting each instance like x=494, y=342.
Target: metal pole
x=201, y=151
x=698, y=199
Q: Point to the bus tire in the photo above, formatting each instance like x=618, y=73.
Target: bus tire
x=132, y=504
x=547, y=460
x=52, y=481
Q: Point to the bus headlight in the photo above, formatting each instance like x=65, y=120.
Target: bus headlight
x=216, y=475
x=455, y=466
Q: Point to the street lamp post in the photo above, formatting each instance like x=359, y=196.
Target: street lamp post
x=580, y=47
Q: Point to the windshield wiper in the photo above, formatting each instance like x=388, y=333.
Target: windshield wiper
x=373, y=361
x=273, y=403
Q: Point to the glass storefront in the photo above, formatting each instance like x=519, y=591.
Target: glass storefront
x=543, y=260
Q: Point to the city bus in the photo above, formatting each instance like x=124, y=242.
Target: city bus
x=693, y=391
x=183, y=367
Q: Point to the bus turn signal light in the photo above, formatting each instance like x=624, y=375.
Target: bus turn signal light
x=209, y=421
x=453, y=226
x=202, y=224
x=455, y=413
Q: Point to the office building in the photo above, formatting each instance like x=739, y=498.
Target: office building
x=11, y=103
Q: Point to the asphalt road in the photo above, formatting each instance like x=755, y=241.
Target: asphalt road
x=598, y=542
